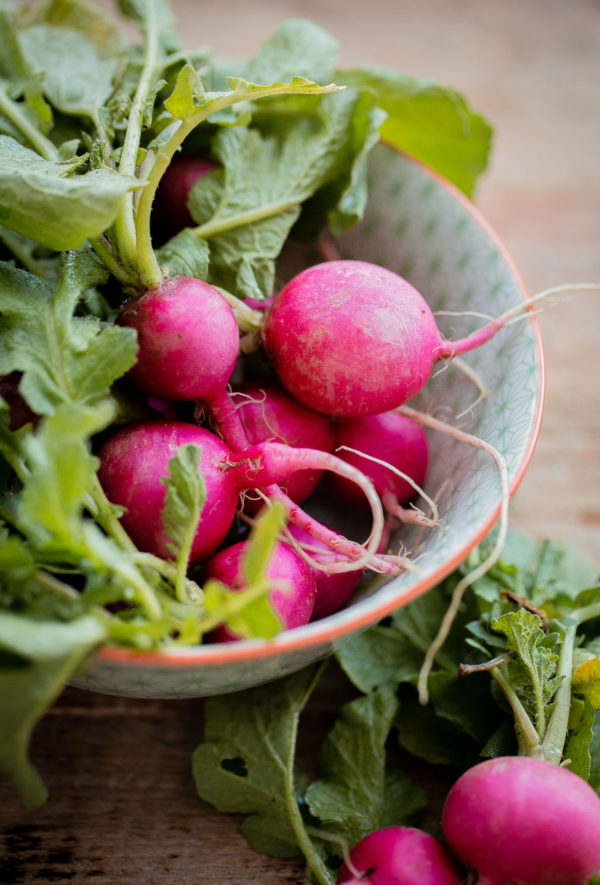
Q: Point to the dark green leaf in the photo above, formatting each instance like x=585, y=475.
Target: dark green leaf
x=348, y=799
x=64, y=359
x=245, y=763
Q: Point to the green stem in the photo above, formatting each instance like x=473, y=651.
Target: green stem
x=150, y=272
x=12, y=111
x=14, y=242
x=314, y=861
x=217, y=226
x=106, y=518
x=56, y=587
x=556, y=733
x=169, y=571
x=125, y=228
x=112, y=263
x=526, y=730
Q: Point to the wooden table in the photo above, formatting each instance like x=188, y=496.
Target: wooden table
x=122, y=805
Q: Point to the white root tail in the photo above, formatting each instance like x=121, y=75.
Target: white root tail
x=488, y=562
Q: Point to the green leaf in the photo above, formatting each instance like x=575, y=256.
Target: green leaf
x=403, y=799
x=62, y=471
x=64, y=359
x=245, y=764
x=153, y=13
x=184, y=500
x=16, y=71
x=42, y=200
x=532, y=672
x=577, y=748
x=377, y=657
x=37, y=661
x=247, y=209
x=348, y=799
x=586, y=681
x=76, y=77
x=428, y=121
x=187, y=94
x=297, y=48
x=185, y=254
x=425, y=735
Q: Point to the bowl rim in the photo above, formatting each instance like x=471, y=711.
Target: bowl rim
x=246, y=650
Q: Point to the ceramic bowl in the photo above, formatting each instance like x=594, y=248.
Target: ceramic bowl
x=423, y=228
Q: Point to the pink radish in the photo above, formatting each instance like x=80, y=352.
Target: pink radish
x=292, y=592
x=187, y=337
x=391, y=438
x=132, y=463
x=171, y=206
x=268, y=413
x=332, y=591
x=134, y=460
x=399, y=856
x=519, y=820
x=351, y=338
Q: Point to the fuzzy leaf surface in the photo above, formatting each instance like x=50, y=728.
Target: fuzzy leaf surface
x=63, y=358
x=43, y=201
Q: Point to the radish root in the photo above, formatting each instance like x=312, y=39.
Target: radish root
x=488, y=562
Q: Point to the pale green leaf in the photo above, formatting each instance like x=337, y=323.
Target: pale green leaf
x=37, y=659
x=428, y=121
x=41, y=200
x=184, y=500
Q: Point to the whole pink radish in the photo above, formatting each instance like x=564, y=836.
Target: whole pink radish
x=268, y=413
x=132, y=464
x=399, y=856
x=391, y=438
x=519, y=820
x=188, y=340
x=351, y=338
x=170, y=208
x=292, y=592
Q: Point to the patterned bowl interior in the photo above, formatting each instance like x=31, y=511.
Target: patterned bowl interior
x=420, y=227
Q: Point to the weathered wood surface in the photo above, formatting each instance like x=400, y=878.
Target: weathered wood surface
x=122, y=805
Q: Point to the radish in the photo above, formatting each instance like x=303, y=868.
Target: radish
x=188, y=340
x=396, y=445
x=332, y=591
x=134, y=460
x=268, y=413
x=398, y=856
x=350, y=338
x=170, y=209
x=132, y=463
x=292, y=592
x=524, y=821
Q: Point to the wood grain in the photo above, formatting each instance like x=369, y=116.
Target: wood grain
x=122, y=806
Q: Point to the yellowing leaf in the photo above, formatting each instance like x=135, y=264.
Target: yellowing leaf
x=586, y=681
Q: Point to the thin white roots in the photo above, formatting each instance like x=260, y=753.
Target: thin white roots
x=477, y=380
x=418, y=515
x=487, y=563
